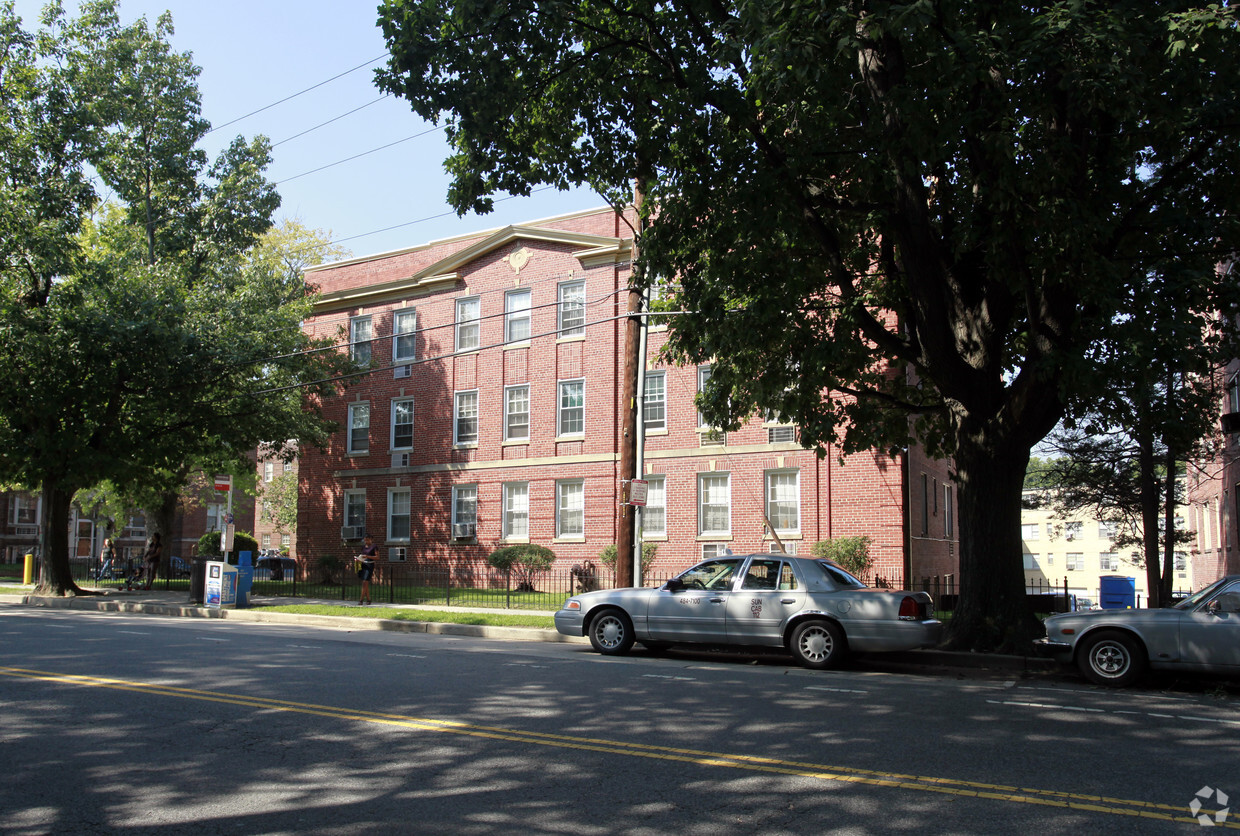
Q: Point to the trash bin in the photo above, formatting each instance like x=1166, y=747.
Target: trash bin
x=221, y=585
x=245, y=577
x=197, y=580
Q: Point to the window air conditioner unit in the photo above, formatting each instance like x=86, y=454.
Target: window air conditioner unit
x=402, y=371
x=400, y=460
x=351, y=532
x=463, y=531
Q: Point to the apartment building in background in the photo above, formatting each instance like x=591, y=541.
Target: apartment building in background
x=492, y=414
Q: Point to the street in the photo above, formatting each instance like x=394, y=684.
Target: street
x=129, y=724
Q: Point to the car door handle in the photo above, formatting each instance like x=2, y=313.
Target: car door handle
x=716, y=600
x=787, y=600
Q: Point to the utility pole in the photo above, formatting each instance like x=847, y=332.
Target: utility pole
x=628, y=564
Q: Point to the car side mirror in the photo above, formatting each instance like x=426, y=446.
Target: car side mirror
x=675, y=585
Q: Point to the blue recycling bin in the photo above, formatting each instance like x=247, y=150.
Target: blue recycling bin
x=1116, y=592
x=245, y=577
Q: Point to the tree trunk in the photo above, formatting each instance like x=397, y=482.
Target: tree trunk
x=993, y=611
x=1169, y=539
x=1149, y=513
x=57, y=579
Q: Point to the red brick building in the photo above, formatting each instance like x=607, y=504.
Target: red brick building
x=1214, y=492
x=491, y=417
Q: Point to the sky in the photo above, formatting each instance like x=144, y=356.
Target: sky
x=257, y=53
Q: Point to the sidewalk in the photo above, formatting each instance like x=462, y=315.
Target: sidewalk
x=173, y=603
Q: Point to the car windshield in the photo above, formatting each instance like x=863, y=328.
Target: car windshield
x=1197, y=597
x=839, y=575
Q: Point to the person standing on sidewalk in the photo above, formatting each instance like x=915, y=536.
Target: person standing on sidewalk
x=151, y=560
x=366, y=567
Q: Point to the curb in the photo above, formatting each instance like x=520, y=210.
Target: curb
x=914, y=658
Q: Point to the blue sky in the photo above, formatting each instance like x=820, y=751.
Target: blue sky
x=256, y=53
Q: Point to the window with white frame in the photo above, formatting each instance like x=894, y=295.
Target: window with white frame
x=359, y=428
x=404, y=335
x=1072, y=530
x=355, y=509
x=1075, y=562
x=269, y=471
x=713, y=550
x=714, y=504
x=654, y=515
x=1106, y=530
x=398, y=554
x=286, y=540
x=266, y=541
x=783, y=500
x=398, y=513
x=402, y=424
x=1108, y=562
x=789, y=547
x=570, y=508
x=359, y=339
x=949, y=513
x=465, y=419
x=216, y=512
x=1029, y=531
x=464, y=511
x=25, y=509
x=1031, y=562
x=468, y=332
x=654, y=399
x=703, y=377
x=517, y=413
x=517, y=316
x=571, y=309
x=516, y=510
x=571, y=414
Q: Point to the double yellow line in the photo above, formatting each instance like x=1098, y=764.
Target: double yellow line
x=947, y=786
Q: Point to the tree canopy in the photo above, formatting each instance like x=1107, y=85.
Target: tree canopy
x=138, y=330
x=887, y=220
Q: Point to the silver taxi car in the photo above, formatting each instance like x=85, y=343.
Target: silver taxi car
x=812, y=607
x=1116, y=647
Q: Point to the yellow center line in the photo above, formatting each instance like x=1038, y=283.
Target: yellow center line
x=752, y=763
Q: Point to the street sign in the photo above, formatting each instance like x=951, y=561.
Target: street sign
x=226, y=543
x=223, y=483
x=637, y=492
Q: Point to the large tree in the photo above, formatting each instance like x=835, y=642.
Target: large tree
x=136, y=332
x=926, y=211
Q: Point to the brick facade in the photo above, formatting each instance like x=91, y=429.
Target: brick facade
x=557, y=483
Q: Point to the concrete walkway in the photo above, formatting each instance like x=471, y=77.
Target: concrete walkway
x=174, y=603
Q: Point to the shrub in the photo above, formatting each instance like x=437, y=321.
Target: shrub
x=525, y=561
x=607, y=556
x=853, y=553
x=243, y=541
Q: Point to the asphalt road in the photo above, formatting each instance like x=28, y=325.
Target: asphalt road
x=119, y=724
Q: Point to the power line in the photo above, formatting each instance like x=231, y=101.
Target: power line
x=355, y=156
x=329, y=121
x=300, y=92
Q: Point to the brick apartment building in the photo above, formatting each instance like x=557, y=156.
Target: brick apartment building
x=1214, y=492
x=491, y=417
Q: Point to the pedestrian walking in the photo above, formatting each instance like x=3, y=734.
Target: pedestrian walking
x=366, y=567
x=107, y=561
x=151, y=559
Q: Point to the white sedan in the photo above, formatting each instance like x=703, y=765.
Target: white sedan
x=812, y=607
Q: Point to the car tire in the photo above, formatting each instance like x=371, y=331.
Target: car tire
x=1111, y=658
x=611, y=632
x=818, y=644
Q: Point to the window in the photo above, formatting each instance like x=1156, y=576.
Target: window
x=517, y=316
x=269, y=471
x=355, y=509
x=925, y=504
x=1031, y=562
x=571, y=415
x=517, y=413
x=768, y=575
x=1073, y=530
x=570, y=507
x=465, y=422
x=654, y=411
x=398, y=514
x=1075, y=562
x=1029, y=531
x=1106, y=530
x=703, y=376
x=654, y=515
x=398, y=554
x=949, y=518
x=286, y=540
x=359, y=428
x=713, y=550
x=1108, y=562
x=464, y=511
x=404, y=335
x=359, y=339
x=467, y=329
x=789, y=548
x=714, y=504
x=402, y=424
x=572, y=309
x=516, y=510
x=215, y=516
x=266, y=541
x=783, y=500
x=25, y=509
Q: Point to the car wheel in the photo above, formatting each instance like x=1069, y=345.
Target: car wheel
x=818, y=644
x=611, y=632
x=1111, y=658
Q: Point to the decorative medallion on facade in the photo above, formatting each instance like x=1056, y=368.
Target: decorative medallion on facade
x=518, y=260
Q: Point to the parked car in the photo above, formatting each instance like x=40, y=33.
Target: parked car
x=1116, y=647
x=813, y=608
x=274, y=567
x=178, y=568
